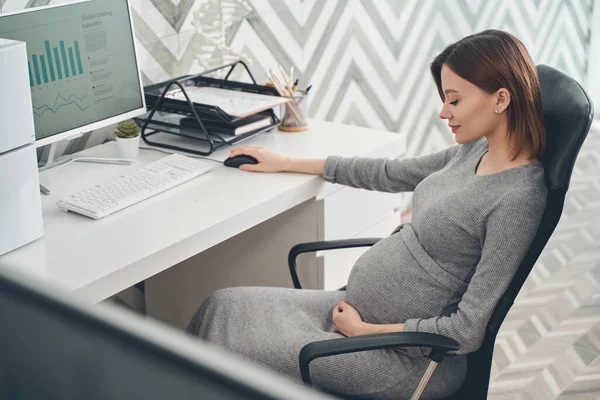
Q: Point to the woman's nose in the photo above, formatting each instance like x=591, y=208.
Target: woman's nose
x=445, y=112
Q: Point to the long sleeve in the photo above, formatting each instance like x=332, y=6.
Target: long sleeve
x=510, y=227
x=386, y=175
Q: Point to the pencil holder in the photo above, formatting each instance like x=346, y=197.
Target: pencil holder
x=294, y=113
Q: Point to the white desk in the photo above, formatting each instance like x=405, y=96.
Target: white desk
x=97, y=259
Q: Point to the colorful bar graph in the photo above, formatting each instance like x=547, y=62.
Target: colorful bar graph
x=53, y=64
x=30, y=77
x=72, y=61
x=58, y=68
x=78, y=55
x=49, y=58
x=64, y=58
x=36, y=69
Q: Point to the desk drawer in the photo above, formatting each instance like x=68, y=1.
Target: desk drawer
x=348, y=211
x=335, y=265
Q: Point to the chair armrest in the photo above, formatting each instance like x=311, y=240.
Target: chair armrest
x=440, y=345
x=325, y=245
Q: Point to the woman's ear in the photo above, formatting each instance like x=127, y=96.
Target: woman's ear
x=502, y=100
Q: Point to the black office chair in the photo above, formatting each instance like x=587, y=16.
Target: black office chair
x=568, y=113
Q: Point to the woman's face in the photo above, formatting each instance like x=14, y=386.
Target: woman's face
x=470, y=111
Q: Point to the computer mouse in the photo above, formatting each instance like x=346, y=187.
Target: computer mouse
x=236, y=161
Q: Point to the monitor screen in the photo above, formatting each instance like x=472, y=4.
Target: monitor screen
x=83, y=72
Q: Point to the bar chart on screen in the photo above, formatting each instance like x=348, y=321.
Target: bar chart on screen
x=53, y=65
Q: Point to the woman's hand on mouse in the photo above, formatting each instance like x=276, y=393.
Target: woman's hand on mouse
x=268, y=161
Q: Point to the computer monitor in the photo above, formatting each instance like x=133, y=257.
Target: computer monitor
x=83, y=71
x=52, y=347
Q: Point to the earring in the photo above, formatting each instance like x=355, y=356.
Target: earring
x=497, y=111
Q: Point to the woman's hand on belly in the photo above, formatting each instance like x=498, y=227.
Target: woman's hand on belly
x=347, y=320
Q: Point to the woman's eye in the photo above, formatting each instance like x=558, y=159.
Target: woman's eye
x=454, y=102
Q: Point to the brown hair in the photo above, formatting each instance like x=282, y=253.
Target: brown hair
x=494, y=59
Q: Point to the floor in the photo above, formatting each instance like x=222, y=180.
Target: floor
x=549, y=345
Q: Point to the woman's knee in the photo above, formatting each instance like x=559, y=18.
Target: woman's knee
x=208, y=307
x=227, y=296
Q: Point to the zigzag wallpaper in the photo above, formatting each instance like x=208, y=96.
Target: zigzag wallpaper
x=367, y=60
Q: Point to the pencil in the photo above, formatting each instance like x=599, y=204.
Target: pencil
x=284, y=77
x=283, y=92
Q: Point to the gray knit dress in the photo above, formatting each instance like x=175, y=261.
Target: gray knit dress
x=443, y=273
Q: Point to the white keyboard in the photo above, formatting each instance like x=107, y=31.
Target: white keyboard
x=134, y=186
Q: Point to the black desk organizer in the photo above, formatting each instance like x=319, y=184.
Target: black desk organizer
x=152, y=123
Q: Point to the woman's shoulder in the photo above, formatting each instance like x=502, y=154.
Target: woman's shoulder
x=528, y=199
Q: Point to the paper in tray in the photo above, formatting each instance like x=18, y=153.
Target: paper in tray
x=235, y=103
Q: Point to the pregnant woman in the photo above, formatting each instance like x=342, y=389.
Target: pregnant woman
x=477, y=206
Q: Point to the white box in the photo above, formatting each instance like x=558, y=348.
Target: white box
x=16, y=112
x=21, y=208
x=20, y=204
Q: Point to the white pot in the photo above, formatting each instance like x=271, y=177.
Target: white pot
x=129, y=147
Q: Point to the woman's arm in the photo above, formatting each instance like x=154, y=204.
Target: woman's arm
x=385, y=174
x=370, y=329
x=511, y=225
x=382, y=174
x=304, y=166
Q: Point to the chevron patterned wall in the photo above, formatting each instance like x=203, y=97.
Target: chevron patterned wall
x=367, y=60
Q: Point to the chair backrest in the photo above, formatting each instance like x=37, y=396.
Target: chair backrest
x=568, y=113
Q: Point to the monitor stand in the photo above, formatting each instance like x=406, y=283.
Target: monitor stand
x=46, y=158
x=48, y=153
x=46, y=161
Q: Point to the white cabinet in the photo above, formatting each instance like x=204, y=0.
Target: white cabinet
x=352, y=213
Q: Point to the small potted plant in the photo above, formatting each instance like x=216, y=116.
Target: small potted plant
x=128, y=138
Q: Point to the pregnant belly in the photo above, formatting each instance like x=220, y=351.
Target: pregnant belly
x=387, y=286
